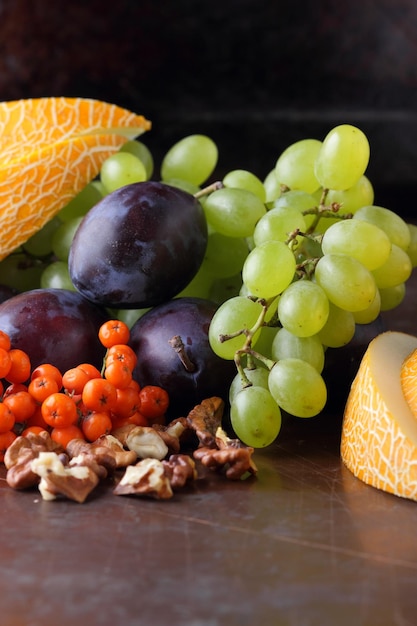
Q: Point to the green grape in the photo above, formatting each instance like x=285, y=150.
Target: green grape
x=63, y=236
x=98, y=185
x=310, y=248
x=258, y=376
x=130, y=316
x=297, y=387
x=223, y=289
x=142, y=152
x=388, y=221
x=346, y=282
x=268, y=270
x=243, y=179
x=295, y=166
x=236, y=314
x=368, y=315
x=303, y=308
x=361, y=240
x=120, y=169
x=352, y=199
x=272, y=187
x=199, y=286
x=391, y=297
x=21, y=272
x=343, y=157
x=265, y=339
x=396, y=270
x=56, y=276
x=255, y=417
x=277, y=224
x=233, y=212
x=412, y=246
x=301, y=201
x=193, y=158
x=40, y=244
x=339, y=328
x=225, y=256
x=287, y=345
x=82, y=202
x=185, y=185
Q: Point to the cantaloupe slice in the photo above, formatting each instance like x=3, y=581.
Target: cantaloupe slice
x=408, y=379
x=379, y=431
x=50, y=148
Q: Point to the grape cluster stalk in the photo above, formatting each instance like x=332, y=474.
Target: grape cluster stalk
x=293, y=261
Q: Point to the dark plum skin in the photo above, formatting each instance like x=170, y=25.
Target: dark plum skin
x=139, y=246
x=159, y=364
x=6, y=292
x=54, y=326
x=342, y=364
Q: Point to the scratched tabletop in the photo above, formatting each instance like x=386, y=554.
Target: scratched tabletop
x=302, y=543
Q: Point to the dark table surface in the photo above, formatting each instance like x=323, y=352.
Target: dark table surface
x=303, y=543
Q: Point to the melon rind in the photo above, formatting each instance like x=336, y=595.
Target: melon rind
x=379, y=431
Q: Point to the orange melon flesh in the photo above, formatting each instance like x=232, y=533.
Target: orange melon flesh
x=50, y=149
x=38, y=122
x=409, y=381
x=379, y=431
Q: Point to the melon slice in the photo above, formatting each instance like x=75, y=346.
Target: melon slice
x=50, y=149
x=379, y=431
x=409, y=381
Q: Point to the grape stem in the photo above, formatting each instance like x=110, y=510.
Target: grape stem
x=247, y=346
x=177, y=344
x=325, y=210
x=209, y=189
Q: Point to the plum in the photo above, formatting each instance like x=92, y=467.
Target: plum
x=7, y=292
x=139, y=246
x=54, y=326
x=342, y=364
x=171, y=343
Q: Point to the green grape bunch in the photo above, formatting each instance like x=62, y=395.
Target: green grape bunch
x=294, y=262
x=322, y=259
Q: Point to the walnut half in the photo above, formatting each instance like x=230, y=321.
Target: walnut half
x=75, y=483
x=231, y=455
x=146, y=478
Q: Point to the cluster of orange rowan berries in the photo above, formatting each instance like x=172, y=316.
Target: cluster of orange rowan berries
x=81, y=402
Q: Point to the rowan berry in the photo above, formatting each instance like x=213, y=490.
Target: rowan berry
x=5, y=342
x=59, y=410
x=37, y=419
x=42, y=386
x=113, y=332
x=99, y=395
x=35, y=430
x=118, y=374
x=64, y=435
x=47, y=369
x=90, y=369
x=14, y=388
x=6, y=440
x=154, y=401
x=74, y=379
x=122, y=353
x=5, y=362
x=19, y=371
x=96, y=424
x=137, y=419
x=22, y=405
x=7, y=418
x=127, y=403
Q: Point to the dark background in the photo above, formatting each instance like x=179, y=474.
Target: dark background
x=255, y=75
